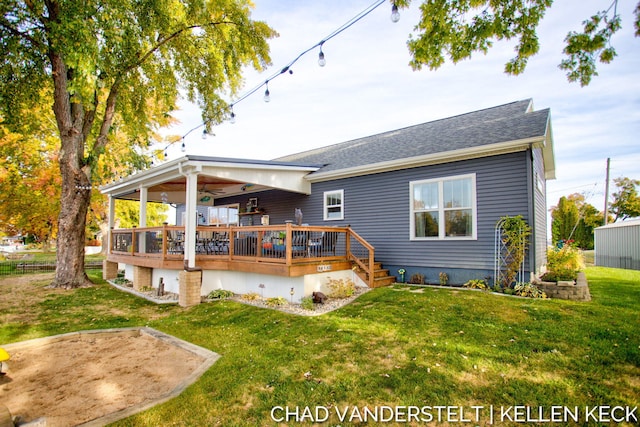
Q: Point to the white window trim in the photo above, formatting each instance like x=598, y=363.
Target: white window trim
x=441, y=209
x=325, y=208
x=230, y=206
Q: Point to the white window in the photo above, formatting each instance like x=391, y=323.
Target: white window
x=333, y=205
x=444, y=208
x=224, y=215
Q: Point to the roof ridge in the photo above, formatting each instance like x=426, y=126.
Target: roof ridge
x=329, y=147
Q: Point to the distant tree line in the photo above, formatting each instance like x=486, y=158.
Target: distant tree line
x=574, y=221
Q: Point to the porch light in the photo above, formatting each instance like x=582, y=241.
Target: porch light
x=321, y=61
x=395, y=15
x=267, y=96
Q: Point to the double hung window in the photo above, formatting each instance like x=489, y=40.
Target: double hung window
x=333, y=205
x=444, y=208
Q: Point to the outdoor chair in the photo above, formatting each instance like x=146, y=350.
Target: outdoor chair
x=322, y=243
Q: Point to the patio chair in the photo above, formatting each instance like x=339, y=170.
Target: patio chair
x=323, y=243
x=299, y=244
x=220, y=243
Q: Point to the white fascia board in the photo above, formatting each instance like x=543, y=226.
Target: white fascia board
x=430, y=159
x=160, y=173
x=285, y=177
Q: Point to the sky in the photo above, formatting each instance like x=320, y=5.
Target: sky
x=367, y=87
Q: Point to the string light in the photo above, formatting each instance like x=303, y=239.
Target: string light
x=267, y=96
x=321, y=61
x=395, y=17
x=232, y=116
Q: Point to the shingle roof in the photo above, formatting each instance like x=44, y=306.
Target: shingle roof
x=510, y=122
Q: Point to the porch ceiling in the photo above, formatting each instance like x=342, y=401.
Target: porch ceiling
x=217, y=177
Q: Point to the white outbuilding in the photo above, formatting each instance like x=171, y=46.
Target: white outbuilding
x=618, y=245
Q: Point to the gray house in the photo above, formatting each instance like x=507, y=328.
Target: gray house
x=428, y=196
x=425, y=198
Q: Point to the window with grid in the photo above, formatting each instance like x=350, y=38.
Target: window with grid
x=444, y=208
x=333, y=205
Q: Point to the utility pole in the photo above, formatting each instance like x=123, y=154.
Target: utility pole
x=606, y=193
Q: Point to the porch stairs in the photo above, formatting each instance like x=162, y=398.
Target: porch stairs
x=381, y=275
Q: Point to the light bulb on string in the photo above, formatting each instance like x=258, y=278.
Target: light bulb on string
x=205, y=134
x=232, y=116
x=395, y=15
x=267, y=95
x=183, y=148
x=321, y=61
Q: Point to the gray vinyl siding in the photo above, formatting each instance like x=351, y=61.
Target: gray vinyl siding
x=378, y=208
x=539, y=236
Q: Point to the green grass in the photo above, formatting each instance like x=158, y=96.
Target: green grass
x=391, y=346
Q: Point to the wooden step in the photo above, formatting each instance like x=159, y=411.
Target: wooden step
x=379, y=282
x=381, y=276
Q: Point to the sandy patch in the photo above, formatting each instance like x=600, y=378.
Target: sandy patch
x=78, y=377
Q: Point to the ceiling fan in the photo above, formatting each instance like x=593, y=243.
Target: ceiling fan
x=209, y=193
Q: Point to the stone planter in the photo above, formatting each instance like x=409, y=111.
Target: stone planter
x=569, y=290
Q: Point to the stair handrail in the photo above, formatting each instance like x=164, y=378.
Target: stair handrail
x=368, y=269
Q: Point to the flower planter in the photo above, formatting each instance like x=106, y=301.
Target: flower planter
x=577, y=290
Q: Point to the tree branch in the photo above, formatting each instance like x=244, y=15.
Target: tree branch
x=109, y=113
x=144, y=57
x=7, y=25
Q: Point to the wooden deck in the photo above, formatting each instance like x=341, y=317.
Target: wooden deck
x=282, y=250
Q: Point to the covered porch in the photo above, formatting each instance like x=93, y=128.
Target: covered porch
x=197, y=253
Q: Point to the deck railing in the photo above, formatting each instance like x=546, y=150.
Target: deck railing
x=283, y=244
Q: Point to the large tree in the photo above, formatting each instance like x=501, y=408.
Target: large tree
x=459, y=28
x=118, y=64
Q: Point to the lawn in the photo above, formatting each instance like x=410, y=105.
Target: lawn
x=398, y=349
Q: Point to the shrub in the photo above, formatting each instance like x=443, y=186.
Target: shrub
x=276, y=301
x=123, y=281
x=251, y=296
x=563, y=264
x=477, y=284
x=443, y=278
x=307, y=303
x=341, y=288
x=528, y=290
x=220, y=294
x=417, y=279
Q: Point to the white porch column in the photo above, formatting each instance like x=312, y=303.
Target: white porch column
x=191, y=219
x=111, y=222
x=144, y=197
x=142, y=221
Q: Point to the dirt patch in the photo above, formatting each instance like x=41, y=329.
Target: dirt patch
x=75, y=378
